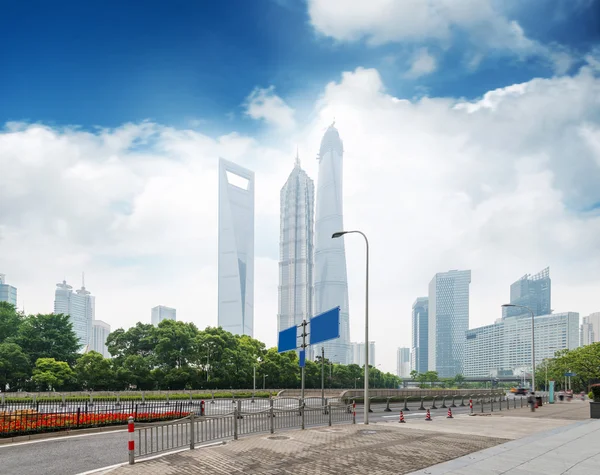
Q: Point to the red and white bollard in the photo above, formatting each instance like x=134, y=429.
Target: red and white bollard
x=131, y=443
x=202, y=408
x=402, y=421
x=471, y=405
x=428, y=416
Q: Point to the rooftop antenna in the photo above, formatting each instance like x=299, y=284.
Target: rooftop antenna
x=83, y=280
x=297, y=157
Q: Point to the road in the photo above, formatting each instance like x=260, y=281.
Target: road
x=72, y=455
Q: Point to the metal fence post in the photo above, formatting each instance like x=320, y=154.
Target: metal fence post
x=235, y=424
x=329, y=412
x=272, y=415
x=353, y=412
x=500, y=404
x=131, y=442
x=481, y=401
x=521, y=402
x=491, y=405
x=192, y=431
x=302, y=413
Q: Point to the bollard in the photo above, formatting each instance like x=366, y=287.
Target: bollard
x=387, y=407
x=515, y=402
x=131, y=442
x=202, y=408
x=235, y=424
x=462, y=401
x=521, y=402
x=370, y=410
x=402, y=421
x=481, y=401
x=433, y=406
x=329, y=412
x=449, y=416
x=422, y=408
x=428, y=416
x=192, y=431
x=444, y=403
x=302, y=413
x=406, y=405
x=507, y=403
x=353, y=412
x=453, y=405
x=491, y=405
x=471, y=405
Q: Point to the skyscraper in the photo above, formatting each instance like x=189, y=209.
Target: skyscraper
x=358, y=353
x=403, y=363
x=8, y=293
x=448, y=321
x=420, y=335
x=296, y=252
x=533, y=292
x=100, y=332
x=331, y=280
x=161, y=313
x=236, y=248
x=80, y=306
x=590, y=329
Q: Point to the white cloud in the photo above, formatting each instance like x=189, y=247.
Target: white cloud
x=264, y=104
x=495, y=185
x=423, y=63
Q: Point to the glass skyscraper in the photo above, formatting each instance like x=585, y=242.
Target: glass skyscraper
x=236, y=248
x=331, y=279
x=100, y=332
x=420, y=335
x=296, y=249
x=8, y=293
x=80, y=306
x=161, y=313
x=448, y=321
x=403, y=358
x=533, y=292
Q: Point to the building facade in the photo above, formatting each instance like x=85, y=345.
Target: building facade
x=161, y=313
x=533, y=292
x=330, y=274
x=8, y=293
x=358, y=353
x=236, y=249
x=590, y=329
x=420, y=335
x=80, y=306
x=505, y=347
x=403, y=363
x=448, y=321
x=296, y=249
x=100, y=332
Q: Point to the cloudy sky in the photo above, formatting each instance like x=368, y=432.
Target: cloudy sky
x=471, y=131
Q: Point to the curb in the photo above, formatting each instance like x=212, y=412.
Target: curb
x=63, y=433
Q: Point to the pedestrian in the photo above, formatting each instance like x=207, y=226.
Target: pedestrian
x=531, y=401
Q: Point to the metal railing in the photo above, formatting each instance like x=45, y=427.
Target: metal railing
x=191, y=430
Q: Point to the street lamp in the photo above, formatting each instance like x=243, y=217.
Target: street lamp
x=507, y=305
x=366, y=397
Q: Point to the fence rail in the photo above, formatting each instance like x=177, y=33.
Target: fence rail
x=191, y=430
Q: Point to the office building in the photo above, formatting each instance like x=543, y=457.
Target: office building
x=80, y=306
x=448, y=321
x=358, y=353
x=590, y=329
x=8, y=293
x=236, y=249
x=296, y=252
x=100, y=332
x=330, y=274
x=420, y=335
x=161, y=313
x=504, y=348
x=403, y=363
x=533, y=292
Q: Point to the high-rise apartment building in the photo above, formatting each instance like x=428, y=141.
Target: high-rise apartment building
x=330, y=274
x=236, y=248
x=504, y=348
x=100, y=332
x=296, y=249
x=80, y=306
x=590, y=329
x=420, y=335
x=448, y=321
x=358, y=353
x=403, y=363
x=161, y=313
x=8, y=293
x=533, y=292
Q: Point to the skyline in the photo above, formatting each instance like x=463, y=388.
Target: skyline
x=461, y=150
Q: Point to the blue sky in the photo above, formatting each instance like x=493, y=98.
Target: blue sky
x=105, y=63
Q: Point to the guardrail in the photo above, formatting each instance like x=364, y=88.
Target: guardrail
x=191, y=430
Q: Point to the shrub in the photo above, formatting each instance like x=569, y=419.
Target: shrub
x=596, y=392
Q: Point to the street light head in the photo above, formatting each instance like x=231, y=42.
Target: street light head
x=338, y=234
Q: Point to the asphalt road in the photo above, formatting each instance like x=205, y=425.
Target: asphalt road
x=77, y=454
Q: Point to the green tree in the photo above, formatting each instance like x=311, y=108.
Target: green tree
x=176, y=344
x=10, y=321
x=48, y=336
x=139, y=340
x=134, y=370
x=14, y=366
x=49, y=374
x=94, y=372
x=459, y=380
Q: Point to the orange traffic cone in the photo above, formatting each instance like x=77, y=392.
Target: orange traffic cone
x=449, y=416
x=428, y=416
x=402, y=421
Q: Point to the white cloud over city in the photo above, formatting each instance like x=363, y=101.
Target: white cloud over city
x=502, y=186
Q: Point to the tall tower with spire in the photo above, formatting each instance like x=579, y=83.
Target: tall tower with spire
x=331, y=277
x=297, y=202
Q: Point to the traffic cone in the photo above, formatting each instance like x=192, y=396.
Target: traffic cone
x=428, y=416
x=402, y=421
x=449, y=416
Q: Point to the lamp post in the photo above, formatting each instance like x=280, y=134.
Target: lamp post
x=507, y=305
x=366, y=397
x=264, y=380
